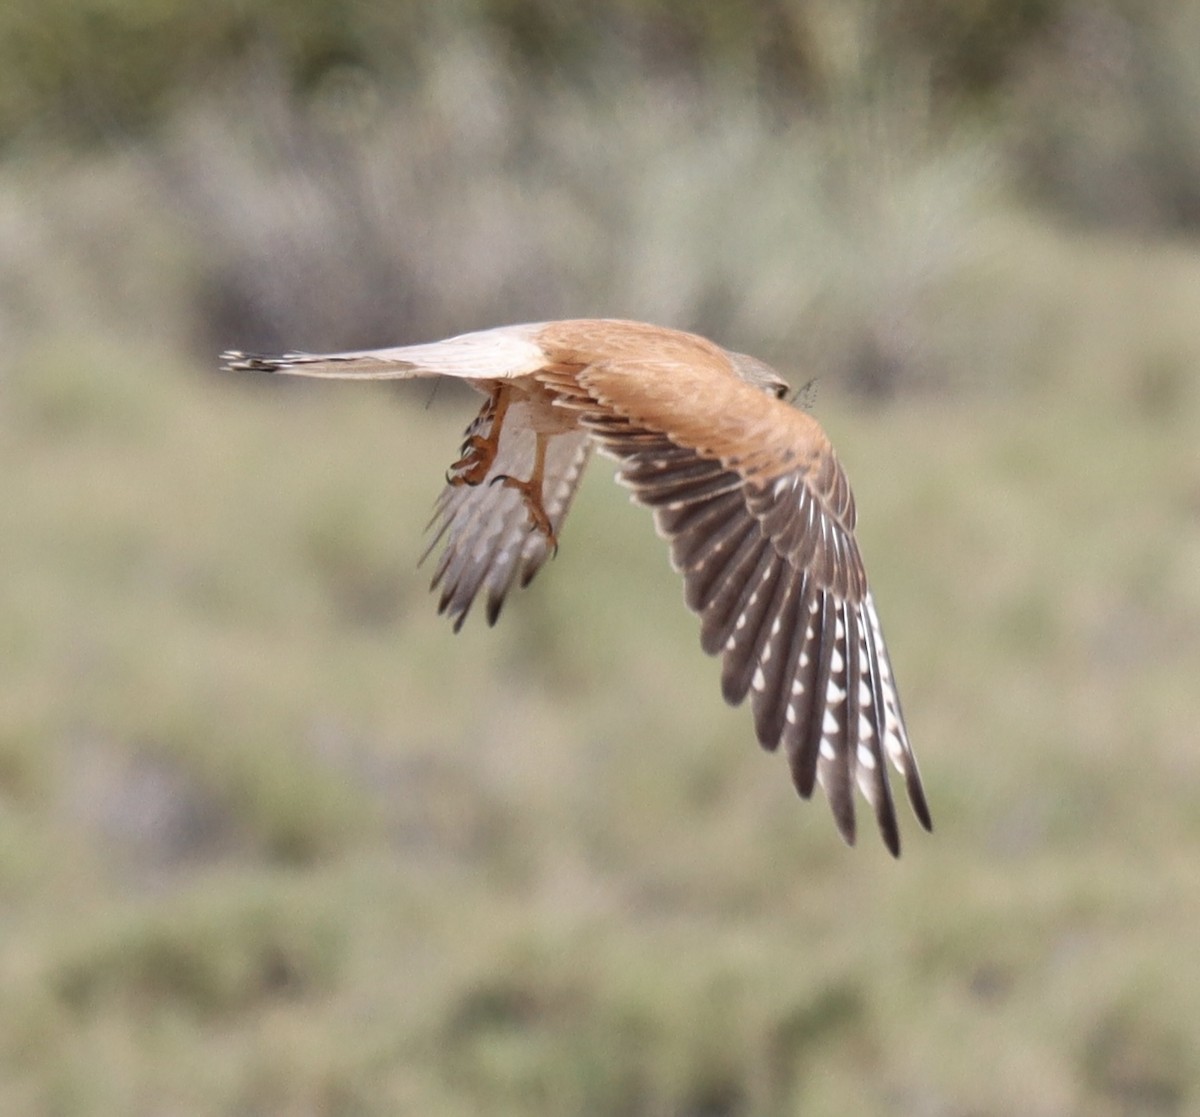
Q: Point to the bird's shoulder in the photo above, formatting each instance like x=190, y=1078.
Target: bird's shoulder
x=592, y=341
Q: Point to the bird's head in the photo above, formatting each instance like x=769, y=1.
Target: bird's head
x=760, y=374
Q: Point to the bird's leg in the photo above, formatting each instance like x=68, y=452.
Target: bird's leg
x=479, y=450
x=531, y=492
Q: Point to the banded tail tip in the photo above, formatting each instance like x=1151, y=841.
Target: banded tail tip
x=234, y=360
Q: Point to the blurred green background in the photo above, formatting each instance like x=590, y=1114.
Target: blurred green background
x=274, y=841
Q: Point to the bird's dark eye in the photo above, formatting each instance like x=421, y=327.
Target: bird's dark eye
x=781, y=391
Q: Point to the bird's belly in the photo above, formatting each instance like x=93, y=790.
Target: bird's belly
x=541, y=415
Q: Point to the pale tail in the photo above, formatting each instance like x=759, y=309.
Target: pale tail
x=485, y=355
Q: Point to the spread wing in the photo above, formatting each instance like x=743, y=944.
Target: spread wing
x=760, y=519
x=489, y=545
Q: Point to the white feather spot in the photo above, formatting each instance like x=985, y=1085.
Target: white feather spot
x=759, y=681
x=829, y=724
x=827, y=749
x=790, y=714
x=866, y=757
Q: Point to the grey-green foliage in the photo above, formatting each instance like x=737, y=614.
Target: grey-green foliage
x=273, y=840
x=92, y=67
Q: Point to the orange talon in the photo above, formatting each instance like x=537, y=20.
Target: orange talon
x=531, y=493
x=478, y=455
x=532, y=496
x=478, y=450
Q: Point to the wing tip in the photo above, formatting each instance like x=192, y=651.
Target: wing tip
x=889, y=829
x=803, y=763
x=451, y=606
x=916, y=796
x=846, y=821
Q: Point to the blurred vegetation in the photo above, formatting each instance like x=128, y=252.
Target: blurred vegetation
x=90, y=65
x=274, y=841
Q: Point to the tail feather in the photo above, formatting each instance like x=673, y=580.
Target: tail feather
x=486, y=355
x=339, y=366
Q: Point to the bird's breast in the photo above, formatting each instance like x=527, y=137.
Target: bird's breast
x=541, y=413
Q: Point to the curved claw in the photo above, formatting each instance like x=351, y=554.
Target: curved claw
x=532, y=495
x=479, y=451
x=473, y=466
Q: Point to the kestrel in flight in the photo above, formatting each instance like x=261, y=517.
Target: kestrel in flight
x=744, y=487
